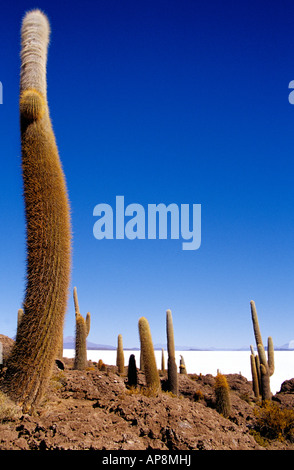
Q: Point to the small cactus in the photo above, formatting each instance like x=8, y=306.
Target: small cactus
x=183, y=369
x=222, y=395
x=82, y=331
x=172, y=380
x=80, y=361
x=120, y=360
x=19, y=316
x=148, y=356
x=162, y=360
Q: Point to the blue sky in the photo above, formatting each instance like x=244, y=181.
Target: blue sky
x=181, y=102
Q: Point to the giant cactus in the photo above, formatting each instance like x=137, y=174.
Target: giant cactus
x=172, y=373
x=265, y=366
x=47, y=226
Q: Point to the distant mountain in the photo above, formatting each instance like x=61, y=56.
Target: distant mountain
x=287, y=347
x=69, y=343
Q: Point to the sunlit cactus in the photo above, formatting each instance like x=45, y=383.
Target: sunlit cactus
x=48, y=227
x=82, y=331
x=222, y=395
x=255, y=378
x=172, y=380
x=120, y=359
x=266, y=366
x=148, y=356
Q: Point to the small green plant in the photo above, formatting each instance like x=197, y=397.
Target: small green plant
x=198, y=395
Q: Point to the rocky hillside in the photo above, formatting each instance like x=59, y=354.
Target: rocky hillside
x=95, y=409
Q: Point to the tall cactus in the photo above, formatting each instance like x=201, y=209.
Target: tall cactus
x=47, y=225
x=120, y=358
x=148, y=356
x=266, y=366
x=172, y=373
x=82, y=331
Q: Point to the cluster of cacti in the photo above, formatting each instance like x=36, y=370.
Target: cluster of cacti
x=172, y=372
x=262, y=368
x=148, y=356
x=120, y=359
x=82, y=331
x=222, y=395
x=47, y=226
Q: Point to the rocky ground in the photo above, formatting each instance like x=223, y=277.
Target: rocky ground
x=95, y=410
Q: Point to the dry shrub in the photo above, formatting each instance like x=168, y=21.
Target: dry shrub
x=274, y=422
x=8, y=409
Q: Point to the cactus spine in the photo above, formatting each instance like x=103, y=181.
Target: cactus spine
x=265, y=367
x=120, y=359
x=82, y=331
x=47, y=226
x=172, y=373
x=148, y=356
x=222, y=395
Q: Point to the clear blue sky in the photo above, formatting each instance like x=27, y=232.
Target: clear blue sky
x=164, y=102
